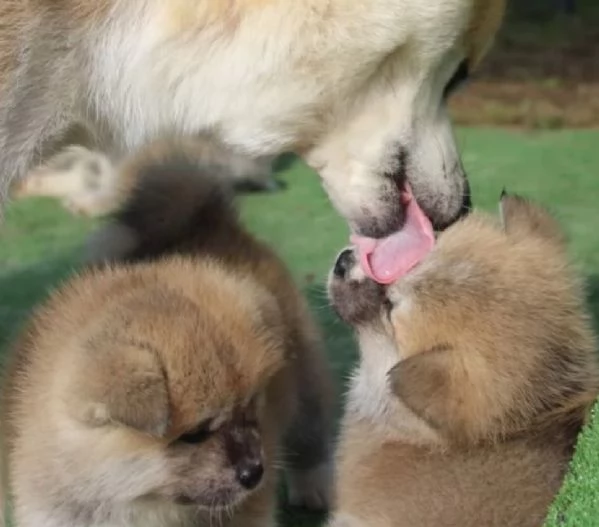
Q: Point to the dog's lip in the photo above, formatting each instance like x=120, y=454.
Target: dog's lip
x=388, y=259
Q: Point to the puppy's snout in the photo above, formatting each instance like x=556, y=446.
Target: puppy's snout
x=250, y=472
x=345, y=261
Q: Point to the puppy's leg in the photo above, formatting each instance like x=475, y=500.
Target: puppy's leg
x=308, y=443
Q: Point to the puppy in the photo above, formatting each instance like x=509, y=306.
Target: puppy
x=357, y=88
x=477, y=371
x=165, y=385
x=85, y=180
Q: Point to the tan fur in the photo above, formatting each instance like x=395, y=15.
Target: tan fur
x=477, y=373
x=126, y=358
x=356, y=87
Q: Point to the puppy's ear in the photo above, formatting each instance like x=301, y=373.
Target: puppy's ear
x=422, y=383
x=461, y=404
x=122, y=384
x=520, y=215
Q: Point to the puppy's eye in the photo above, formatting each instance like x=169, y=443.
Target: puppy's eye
x=198, y=435
x=460, y=76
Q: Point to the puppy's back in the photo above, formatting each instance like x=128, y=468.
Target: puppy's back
x=172, y=202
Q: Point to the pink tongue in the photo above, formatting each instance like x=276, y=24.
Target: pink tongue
x=388, y=259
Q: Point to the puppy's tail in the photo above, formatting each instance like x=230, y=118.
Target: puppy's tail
x=170, y=202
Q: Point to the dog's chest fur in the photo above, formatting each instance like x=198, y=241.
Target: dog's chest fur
x=370, y=399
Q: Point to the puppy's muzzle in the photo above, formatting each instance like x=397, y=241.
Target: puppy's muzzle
x=355, y=298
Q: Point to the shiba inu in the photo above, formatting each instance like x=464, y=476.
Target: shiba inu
x=86, y=181
x=165, y=385
x=356, y=87
x=477, y=370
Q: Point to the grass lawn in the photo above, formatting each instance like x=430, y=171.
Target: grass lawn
x=40, y=246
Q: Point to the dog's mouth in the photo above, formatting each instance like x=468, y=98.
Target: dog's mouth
x=387, y=259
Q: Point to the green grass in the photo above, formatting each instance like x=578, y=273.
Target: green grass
x=40, y=246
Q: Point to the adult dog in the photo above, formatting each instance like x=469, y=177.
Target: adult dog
x=356, y=87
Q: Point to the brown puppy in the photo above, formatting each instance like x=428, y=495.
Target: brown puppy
x=477, y=370
x=167, y=389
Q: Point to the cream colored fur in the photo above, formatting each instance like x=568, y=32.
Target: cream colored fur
x=354, y=86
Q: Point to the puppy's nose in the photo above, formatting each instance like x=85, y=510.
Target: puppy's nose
x=345, y=261
x=249, y=473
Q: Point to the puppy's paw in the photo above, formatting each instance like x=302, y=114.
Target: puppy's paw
x=311, y=489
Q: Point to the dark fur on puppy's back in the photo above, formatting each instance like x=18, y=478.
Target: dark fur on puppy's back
x=170, y=200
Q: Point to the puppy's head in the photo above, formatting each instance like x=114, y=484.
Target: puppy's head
x=491, y=334
x=169, y=390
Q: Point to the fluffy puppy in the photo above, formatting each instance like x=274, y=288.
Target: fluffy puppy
x=358, y=88
x=165, y=387
x=477, y=371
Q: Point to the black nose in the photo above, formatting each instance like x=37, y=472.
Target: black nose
x=249, y=473
x=345, y=261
